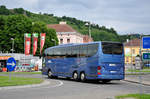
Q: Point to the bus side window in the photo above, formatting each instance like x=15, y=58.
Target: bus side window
x=92, y=49
x=68, y=52
x=63, y=52
x=83, y=51
x=78, y=50
x=75, y=51
x=50, y=54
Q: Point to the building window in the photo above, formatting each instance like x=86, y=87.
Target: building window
x=133, y=51
x=61, y=41
x=127, y=59
x=68, y=40
x=133, y=59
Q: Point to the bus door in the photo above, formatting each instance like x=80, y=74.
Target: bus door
x=60, y=55
x=44, y=64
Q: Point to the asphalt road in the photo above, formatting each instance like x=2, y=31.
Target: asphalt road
x=69, y=89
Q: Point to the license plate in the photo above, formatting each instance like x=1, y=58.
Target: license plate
x=112, y=71
x=112, y=64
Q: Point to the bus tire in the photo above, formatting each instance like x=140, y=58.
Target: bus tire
x=50, y=74
x=75, y=76
x=83, y=77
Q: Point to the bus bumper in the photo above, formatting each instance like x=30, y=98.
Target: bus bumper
x=110, y=77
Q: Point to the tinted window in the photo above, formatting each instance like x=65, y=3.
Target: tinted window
x=68, y=50
x=92, y=49
x=112, y=48
x=57, y=51
x=50, y=52
x=83, y=50
x=63, y=51
x=75, y=51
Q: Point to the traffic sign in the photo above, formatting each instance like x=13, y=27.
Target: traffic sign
x=146, y=56
x=146, y=42
x=11, y=64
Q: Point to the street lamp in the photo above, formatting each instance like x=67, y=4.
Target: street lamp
x=12, y=45
x=88, y=24
x=54, y=41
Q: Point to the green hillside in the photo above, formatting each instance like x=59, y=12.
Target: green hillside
x=14, y=23
x=99, y=33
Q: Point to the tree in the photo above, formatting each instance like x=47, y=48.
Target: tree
x=4, y=10
x=19, y=10
x=40, y=27
x=2, y=27
x=2, y=22
x=113, y=31
x=16, y=26
x=97, y=32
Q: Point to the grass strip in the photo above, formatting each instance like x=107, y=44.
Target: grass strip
x=134, y=96
x=21, y=72
x=144, y=70
x=15, y=81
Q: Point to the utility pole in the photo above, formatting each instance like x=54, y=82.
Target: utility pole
x=12, y=45
x=88, y=24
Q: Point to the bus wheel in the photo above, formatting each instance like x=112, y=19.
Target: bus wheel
x=106, y=81
x=75, y=76
x=50, y=74
x=82, y=77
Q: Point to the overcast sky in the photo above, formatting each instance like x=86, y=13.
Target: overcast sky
x=125, y=16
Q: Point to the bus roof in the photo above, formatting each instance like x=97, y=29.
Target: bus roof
x=74, y=44
x=71, y=44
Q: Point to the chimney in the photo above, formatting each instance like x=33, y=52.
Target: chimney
x=62, y=22
x=127, y=40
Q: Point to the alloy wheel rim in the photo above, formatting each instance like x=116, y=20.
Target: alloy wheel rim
x=82, y=76
x=49, y=73
x=75, y=76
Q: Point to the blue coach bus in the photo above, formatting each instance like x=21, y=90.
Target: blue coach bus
x=88, y=61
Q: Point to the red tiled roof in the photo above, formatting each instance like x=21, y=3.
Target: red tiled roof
x=134, y=42
x=61, y=27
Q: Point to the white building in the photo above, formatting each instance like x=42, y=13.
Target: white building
x=66, y=34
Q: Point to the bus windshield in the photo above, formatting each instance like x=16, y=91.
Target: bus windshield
x=112, y=48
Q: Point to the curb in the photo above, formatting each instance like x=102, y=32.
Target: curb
x=26, y=86
x=143, y=83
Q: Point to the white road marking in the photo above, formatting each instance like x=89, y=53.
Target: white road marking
x=60, y=84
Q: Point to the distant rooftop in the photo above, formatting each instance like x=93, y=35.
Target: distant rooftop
x=134, y=42
x=61, y=27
